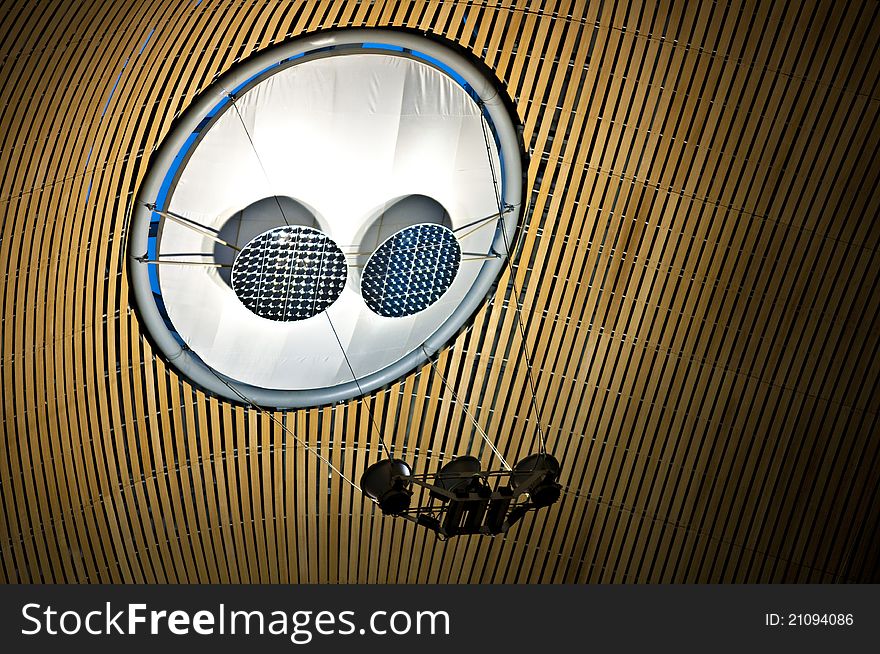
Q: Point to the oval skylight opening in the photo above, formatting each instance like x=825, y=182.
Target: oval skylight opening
x=397, y=137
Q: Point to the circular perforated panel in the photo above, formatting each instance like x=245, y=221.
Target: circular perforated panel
x=289, y=273
x=411, y=270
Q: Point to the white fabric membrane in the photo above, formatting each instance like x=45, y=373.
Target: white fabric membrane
x=347, y=136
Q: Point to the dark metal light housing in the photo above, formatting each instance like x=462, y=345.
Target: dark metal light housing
x=460, y=474
x=389, y=482
x=461, y=498
x=538, y=475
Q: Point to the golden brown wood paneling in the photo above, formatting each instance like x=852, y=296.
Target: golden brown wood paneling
x=698, y=276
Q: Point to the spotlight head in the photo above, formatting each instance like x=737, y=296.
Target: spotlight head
x=462, y=474
x=537, y=475
x=389, y=483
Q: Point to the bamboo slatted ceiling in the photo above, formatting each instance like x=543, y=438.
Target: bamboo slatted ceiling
x=699, y=282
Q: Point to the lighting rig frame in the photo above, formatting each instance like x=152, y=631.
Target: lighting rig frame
x=460, y=498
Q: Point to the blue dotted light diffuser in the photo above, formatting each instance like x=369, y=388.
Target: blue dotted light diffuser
x=289, y=273
x=411, y=270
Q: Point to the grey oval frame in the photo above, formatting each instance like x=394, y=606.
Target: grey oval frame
x=184, y=359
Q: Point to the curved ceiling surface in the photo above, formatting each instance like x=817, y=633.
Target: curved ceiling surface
x=698, y=273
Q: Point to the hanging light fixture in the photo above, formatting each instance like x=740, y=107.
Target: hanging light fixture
x=389, y=483
x=538, y=475
x=462, y=498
